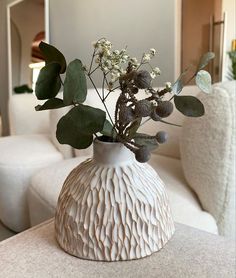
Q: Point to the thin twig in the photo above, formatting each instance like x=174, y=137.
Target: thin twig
x=91, y=64
x=61, y=80
x=101, y=100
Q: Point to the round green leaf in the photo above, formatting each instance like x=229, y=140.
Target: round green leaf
x=52, y=54
x=205, y=59
x=75, y=86
x=179, y=83
x=189, y=106
x=203, y=81
x=53, y=103
x=108, y=129
x=48, y=83
x=77, y=127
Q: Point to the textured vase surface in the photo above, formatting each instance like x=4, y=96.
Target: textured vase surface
x=113, y=208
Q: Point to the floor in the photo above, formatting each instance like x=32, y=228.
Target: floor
x=4, y=232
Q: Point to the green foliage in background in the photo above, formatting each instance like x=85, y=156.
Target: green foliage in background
x=232, y=56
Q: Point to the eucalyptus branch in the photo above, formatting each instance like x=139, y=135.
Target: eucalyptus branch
x=186, y=83
x=90, y=73
x=103, y=83
x=118, y=87
x=145, y=121
x=168, y=123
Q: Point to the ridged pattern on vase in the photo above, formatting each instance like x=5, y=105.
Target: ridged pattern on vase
x=113, y=213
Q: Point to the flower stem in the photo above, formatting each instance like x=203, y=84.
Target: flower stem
x=101, y=100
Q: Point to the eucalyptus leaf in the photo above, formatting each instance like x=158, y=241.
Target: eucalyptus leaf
x=131, y=130
x=75, y=86
x=108, y=129
x=53, y=103
x=205, y=60
x=203, y=81
x=143, y=140
x=179, y=83
x=77, y=127
x=177, y=86
x=189, y=106
x=48, y=83
x=52, y=54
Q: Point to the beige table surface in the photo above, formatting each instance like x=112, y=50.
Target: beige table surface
x=190, y=253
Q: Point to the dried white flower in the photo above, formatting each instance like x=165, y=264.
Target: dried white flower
x=134, y=61
x=97, y=60
x=153, y=75
x=116, y=67
x=168, y=85
x=152, y=51
x=146, y=57
x=116, y=52
x=157, y=71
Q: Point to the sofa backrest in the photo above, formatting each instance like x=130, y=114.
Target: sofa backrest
x=23, y=117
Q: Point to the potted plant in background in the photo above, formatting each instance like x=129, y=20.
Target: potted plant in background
x=114, y=206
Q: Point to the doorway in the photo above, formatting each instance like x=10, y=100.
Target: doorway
x=202, y=31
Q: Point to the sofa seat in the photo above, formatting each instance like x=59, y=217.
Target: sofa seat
x=46, y=185
x=20, y=158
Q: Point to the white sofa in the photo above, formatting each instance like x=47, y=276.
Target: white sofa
x=46, y=183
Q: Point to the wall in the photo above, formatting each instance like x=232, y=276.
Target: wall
x=195, y=30
x=229, y=6
x=137, y=24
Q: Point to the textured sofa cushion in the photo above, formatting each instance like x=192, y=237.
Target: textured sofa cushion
x=208, y=155
x=23, y=117
x=46, y=185
x=21, y=157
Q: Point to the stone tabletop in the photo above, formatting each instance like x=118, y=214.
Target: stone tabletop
x=190, y=253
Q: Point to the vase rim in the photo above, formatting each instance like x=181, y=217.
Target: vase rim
x=96, y=140
x=111, y=153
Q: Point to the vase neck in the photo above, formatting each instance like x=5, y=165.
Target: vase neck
x=111, y=153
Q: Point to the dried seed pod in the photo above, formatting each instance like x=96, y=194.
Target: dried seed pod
x=154, y=116
x=142, y=79
x=143, y=108
x=126, y=115
x=161, y=137
x=142, y=154
x=164, y=109
x=133, y=89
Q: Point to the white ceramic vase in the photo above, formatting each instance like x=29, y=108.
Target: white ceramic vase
x=113, y=208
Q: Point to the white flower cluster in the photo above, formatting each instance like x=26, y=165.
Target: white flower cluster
x=155, y=71
x=113, y=62
x=110, y=61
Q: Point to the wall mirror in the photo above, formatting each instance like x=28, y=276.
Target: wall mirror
x=27, y=26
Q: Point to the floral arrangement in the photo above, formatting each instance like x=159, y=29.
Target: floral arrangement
x=124, y=76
